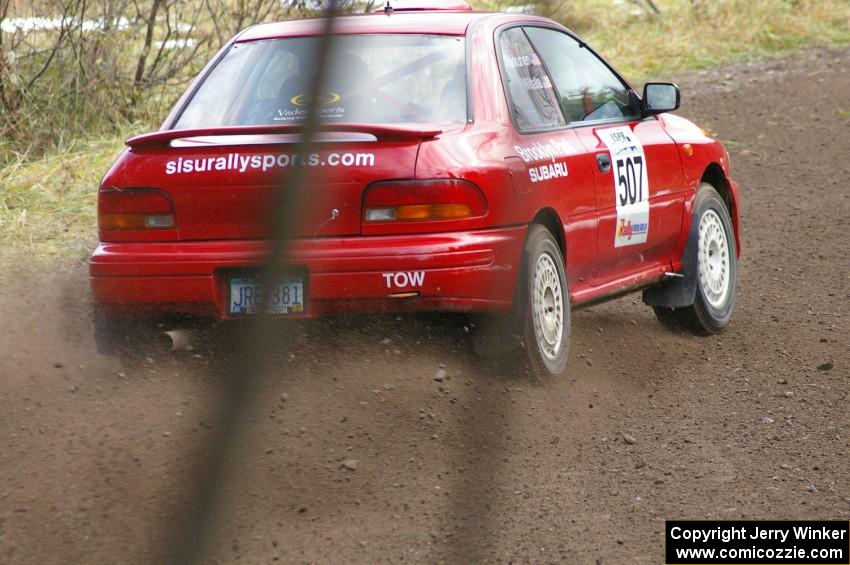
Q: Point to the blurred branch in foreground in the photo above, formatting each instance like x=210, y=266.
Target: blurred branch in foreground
x=244, y=370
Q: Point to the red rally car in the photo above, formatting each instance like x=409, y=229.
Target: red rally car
x=466, y=161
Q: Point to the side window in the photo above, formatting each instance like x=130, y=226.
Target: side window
x=588, y=89
x=216, y=94
x=531, y=97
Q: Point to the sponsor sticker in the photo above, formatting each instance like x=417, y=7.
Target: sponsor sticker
x=530, y=60
x=631, y=185
x=548, y=151
x=324, y=99
x=241, y=163
x=553, y=151
x=546, y=172
x=327, y=107
x=536, y=83
x=404, y=279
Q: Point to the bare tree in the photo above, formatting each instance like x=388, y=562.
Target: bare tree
x=100, y=64
x=648, y=6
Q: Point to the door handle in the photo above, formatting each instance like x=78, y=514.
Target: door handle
x=604, y=162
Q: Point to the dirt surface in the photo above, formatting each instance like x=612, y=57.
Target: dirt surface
x=486, y=465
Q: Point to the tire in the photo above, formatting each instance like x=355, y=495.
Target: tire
x=714, y=270
x=114, y=335
x=104, y=334
x=670, y=318
x=547, y=305
x=496, y=337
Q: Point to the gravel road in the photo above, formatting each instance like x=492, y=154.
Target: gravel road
x=354, y=453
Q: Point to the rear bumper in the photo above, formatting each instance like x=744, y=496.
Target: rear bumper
x=461, y=271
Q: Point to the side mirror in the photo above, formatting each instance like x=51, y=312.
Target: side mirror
x=660, y=97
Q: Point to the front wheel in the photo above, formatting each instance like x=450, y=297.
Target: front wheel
x=547, y=305
x=714, y=270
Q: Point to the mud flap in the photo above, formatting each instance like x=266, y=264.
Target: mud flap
x=500, y=335
x=678, y=292
x=518, y=312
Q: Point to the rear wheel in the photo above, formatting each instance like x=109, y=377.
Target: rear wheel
x=114, y=335
x=547, y=305
x=715, y=270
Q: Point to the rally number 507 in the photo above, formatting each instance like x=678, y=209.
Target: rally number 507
x=630, y=180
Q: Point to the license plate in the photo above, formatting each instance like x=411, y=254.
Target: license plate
x=247, y=297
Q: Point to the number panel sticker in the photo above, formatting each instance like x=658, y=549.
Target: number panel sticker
x=631, y=185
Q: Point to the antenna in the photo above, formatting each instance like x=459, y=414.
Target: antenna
x=388, y=9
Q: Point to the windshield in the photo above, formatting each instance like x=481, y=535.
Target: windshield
x=377, y=79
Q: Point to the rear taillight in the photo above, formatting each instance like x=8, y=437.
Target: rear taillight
x=135, y=214
x=422, y=201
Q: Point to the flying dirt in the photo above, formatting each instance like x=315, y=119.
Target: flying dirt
x=386, y=439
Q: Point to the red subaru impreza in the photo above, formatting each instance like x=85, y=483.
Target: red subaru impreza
x=466, y=161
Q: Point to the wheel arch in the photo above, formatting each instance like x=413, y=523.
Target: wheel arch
x=715, y=176
x=549, y=219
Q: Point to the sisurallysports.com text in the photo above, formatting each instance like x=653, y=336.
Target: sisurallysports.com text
x=265, y=162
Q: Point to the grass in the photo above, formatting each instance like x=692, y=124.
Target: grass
x=684, y=37
x=48, y=204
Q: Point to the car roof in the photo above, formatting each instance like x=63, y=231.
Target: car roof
x=438, y=22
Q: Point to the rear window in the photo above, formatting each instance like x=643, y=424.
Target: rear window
x=372, y=79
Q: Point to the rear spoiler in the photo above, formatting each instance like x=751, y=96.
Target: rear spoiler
x=381, y=132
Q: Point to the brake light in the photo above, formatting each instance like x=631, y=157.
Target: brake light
x=134, y=210
x=422, y=201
